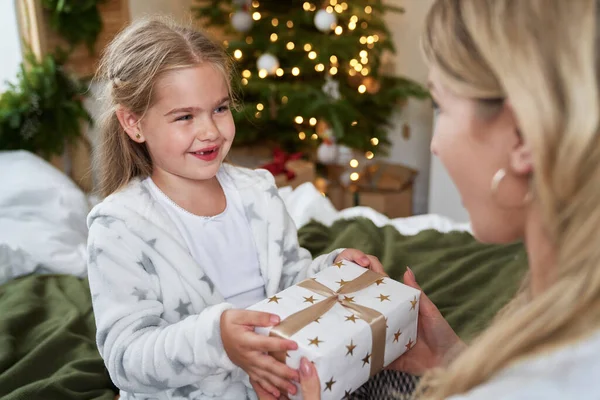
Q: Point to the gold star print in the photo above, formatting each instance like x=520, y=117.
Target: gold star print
x=346, y=394
x=410, y=344
x=341, y=282
x=329, y=384
x=366, y=359
x=382, y=298
x=274, y=299
x=351, y=348
x=352, y=318
x=397, y=335
x=339, y=264
x=317, y=320
x=315, y=341
x=310, y=300
x=414, y=303
x=349, y=299
x=380, y=282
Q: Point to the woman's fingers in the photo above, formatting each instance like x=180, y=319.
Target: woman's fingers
x=309, y=381
x=426, y=306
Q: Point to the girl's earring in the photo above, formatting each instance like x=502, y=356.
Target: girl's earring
x=138, y=136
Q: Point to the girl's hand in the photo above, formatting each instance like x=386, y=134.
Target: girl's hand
x=260, y=392
x=247, y=349
x=435, y=337
x=360, y=258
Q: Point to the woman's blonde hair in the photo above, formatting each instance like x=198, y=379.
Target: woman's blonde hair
x=130, y=67
x=542, y=57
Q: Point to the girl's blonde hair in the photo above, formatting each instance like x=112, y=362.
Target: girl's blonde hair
x=130, y=67
x=542, y=57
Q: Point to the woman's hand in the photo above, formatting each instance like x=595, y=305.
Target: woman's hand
x=435, y=337
x=247, y=349
x=310, y=386
x=360, y=258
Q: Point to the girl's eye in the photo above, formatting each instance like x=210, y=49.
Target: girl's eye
x=186, y=117
x=222, y=109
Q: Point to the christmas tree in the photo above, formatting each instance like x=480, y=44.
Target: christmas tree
x=311, y=72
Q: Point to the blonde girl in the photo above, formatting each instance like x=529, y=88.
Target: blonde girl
x=183, y=242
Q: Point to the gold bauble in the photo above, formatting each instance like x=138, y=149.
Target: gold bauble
x=373, y=85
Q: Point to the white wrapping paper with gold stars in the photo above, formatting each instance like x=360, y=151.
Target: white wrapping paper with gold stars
x=349, y=321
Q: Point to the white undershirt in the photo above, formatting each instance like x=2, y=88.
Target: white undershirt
x=223, y=245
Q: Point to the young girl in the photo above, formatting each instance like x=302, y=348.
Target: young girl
x=183, y=243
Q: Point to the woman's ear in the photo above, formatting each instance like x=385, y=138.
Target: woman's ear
x=131, y=124
x=521, y=161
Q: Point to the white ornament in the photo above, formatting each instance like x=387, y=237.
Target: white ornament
x=268, y=62
x=332, y=88
x=325, y=21
x=345, y=154
x=327, y=153
x=241, y=21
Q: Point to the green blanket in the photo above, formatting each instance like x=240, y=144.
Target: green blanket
x=467, y=280
x=47, y=346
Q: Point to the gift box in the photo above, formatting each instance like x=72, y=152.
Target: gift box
x=290, y=169
x=349, y=321
x=384, y=176
x=386, y=188
x=391, y=203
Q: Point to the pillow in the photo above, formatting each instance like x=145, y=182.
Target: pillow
x=42, y=217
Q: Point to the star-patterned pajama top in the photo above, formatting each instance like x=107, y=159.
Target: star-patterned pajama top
x=157, y=312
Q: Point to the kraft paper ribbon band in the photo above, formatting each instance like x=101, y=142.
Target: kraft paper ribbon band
x=295, y=322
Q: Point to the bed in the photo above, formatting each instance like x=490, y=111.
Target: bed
x=47, y=344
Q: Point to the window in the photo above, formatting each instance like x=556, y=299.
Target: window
x=10, y=43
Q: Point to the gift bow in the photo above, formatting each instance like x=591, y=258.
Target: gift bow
x=295, y=322
x=277, y=166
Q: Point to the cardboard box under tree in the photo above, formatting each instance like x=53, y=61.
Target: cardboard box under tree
x=387, y=188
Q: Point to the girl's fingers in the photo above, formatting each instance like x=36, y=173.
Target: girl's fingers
x=267, y=344
x=277, y=368
x=278, y=382
x=375, y=265
x=262, y=393
x=267, y=386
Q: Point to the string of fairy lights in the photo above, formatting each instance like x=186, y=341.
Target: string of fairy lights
x=356, y=66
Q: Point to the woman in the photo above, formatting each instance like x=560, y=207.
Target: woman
x=517, y=87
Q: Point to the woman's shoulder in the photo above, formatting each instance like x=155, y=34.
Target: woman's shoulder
x=568, y=372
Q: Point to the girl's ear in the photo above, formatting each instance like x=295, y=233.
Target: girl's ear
x=131, y=124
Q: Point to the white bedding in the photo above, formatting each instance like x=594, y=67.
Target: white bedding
x=42, y=219
x=43, y=214
x=306, y=202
